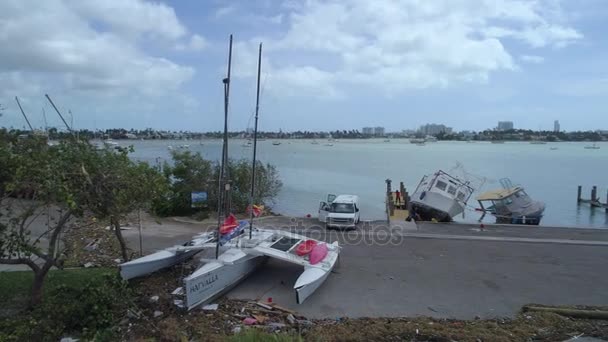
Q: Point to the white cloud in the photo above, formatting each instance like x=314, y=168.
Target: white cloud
x=224, y=11
x=196, y=43
x=532, y=59
x=133, y=17
x=89, y=47
x=410, y=44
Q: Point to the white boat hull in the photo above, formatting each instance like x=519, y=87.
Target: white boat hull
x=438, y=202
x=313, y=276
x=218, y=276
x=155, y=262
x=165, y=258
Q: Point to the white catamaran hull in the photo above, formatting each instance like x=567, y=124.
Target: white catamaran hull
x=313, y=276
x=164, y=258
x=218, y=276
x=152, y=263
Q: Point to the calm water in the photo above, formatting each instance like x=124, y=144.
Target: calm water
x=360, y=167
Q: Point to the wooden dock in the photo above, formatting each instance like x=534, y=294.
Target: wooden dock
x=397, y=210
x=594, y=201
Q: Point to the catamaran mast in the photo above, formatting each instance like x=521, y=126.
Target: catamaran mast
x=255, y=143
x=223, y=198
x=25, y=116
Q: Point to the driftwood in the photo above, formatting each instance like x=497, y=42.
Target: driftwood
x=575, y=313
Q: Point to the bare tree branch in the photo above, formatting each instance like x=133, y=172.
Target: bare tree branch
x=21, y=261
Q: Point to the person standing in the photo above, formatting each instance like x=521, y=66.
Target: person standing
x=398, y=197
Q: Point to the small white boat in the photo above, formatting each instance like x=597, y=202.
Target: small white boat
x=276, y=143
x=417, y=141
x=592, y=147
x=110, y=142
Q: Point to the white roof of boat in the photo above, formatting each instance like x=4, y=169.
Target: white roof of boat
x=346, y=199
x=498, y=194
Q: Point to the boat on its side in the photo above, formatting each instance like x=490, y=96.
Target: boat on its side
x=417, y=141
x=440, y=197
x=511, y=204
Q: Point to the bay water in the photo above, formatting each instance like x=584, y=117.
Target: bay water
x=549, y=172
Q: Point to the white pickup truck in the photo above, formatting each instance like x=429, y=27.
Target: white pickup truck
x=340, y=211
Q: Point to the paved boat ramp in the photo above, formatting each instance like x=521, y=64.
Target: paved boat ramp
x=431, y=269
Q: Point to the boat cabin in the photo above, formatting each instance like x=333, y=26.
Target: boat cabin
x=510, y=204
x=445, y=185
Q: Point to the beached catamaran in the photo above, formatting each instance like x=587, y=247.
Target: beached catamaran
x=237, y=254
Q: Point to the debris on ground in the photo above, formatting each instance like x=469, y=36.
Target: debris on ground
x=178, y=291
x=250, y=321
x=154, y=299
x=210, y=307
x=239, y=316
x=91, y=243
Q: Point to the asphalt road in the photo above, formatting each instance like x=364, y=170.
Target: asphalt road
x=438, y=277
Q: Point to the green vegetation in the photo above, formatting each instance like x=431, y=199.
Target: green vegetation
x=46, y=192
x=46, y=189
x=86, y=301
x=191, y=172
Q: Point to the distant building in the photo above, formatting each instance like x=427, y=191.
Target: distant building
x=505, y=125
x=368, y=131
x=379, y=131
x=434, y=129
x=556, y=126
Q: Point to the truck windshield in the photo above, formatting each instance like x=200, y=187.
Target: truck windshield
x=343, y=208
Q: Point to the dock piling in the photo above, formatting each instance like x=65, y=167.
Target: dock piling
x=389, y=199
x=594, y=201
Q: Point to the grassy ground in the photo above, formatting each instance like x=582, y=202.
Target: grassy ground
x=87, y=301
x=94, y=304
x=15, y=286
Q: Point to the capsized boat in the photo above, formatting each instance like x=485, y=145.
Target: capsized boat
x=511, y=204
x=440, y=196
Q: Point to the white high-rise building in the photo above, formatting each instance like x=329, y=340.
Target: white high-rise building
x=434, y=129
x=556, y=127
x=379, y=131
x=368, y=131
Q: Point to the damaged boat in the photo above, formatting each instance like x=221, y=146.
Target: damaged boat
x=440, y=196
x=511, y=204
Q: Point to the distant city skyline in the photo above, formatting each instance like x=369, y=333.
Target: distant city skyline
x=398, y=65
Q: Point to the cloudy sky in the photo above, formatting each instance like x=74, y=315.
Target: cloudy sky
x=327, y=64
